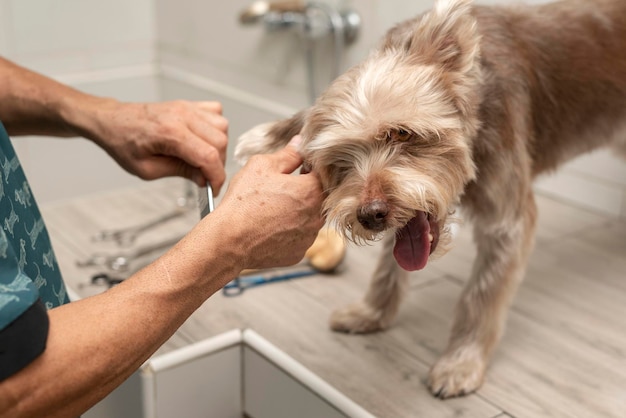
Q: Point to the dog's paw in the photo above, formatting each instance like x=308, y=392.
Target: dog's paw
x=357, y=318
x=457, y=374
x=253, y=142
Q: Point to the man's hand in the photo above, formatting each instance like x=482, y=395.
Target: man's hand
x=150, y=140
x=153, y=140
x=276, y=215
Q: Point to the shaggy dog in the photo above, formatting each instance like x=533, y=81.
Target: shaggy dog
x=465, y=105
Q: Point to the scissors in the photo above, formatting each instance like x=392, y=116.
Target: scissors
x=205, y=201
x=241, y=283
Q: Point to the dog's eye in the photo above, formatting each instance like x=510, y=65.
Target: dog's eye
x=403, y=135
x=399, y=135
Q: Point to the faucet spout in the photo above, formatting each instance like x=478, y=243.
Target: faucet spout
x=258, y=9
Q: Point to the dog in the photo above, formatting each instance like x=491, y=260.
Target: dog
x=461, y=107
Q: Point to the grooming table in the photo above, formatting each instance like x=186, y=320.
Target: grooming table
x=353, y=375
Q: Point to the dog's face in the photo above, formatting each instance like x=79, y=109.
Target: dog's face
x=390, y=138
x=388, y=144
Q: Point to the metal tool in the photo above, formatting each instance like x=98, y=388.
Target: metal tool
x=205, y=200
x=126, y=236
x=241, y=283
x=105, y=279
x=121, y=261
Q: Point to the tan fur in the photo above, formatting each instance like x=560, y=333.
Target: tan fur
x=462, y=105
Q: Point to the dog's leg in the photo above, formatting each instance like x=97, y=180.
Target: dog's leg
x=381, y=302
x=503, y=250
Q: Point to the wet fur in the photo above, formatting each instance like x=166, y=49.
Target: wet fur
x=491, y=97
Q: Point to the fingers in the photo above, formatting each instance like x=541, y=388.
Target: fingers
x=213, y=130
x=203, y=162
x=206, y=146
x=288, y=159
x=186, y=155
x=283, y=211
x=215, y=107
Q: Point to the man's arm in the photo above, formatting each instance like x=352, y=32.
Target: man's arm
x=32, y=104
x=94, y=344
x=150, y=140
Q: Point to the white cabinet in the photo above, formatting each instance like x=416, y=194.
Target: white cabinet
x=232, y=375
x=272, y=393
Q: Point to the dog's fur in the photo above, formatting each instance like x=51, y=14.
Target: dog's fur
x=462, y=105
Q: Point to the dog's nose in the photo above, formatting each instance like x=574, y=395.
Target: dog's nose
x=373, y=215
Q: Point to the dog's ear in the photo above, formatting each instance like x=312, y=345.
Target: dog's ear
x=446, y=36
x=284, y=130
x=268, y=137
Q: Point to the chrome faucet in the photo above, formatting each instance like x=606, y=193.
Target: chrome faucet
x=314, y=20
x=297, y=13
x=259, y=10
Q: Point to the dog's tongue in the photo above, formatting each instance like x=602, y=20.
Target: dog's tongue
x=412, y=244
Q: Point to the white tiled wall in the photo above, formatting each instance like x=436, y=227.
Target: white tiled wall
x=85, y=43
x=67, y=36
x=204, y=39
x=207, y=38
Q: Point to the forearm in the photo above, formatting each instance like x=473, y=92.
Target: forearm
x=32, y=104
x=95, y=344
x=267, y=218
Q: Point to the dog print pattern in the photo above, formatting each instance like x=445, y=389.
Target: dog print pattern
x=28, y=267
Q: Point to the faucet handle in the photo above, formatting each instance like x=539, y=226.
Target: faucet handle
x=258, y=9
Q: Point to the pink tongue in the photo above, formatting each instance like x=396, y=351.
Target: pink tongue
x=412, y=244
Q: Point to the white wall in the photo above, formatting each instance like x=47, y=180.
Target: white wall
x=194, y=35
x=69, y=36
x=102, y=47
x=206, y=38
x=190, y=39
